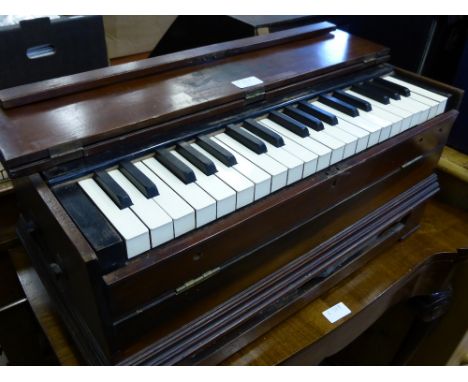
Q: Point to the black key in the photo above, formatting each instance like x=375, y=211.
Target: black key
x=323, y=115
x=248, y=140
x=340, y=105
x=179, y=169
x=195, y=157
x=219, y=152
x=304, y=118
x=390, y=92
x=263, y=132
x=139, y=180
x=352, y=100
x=101, y=235
x=404, y=91
x=371, y=93
x=289, y=123
x=113, y=190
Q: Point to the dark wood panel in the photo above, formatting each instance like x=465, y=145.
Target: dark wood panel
x=28, y=132
x=40, y=91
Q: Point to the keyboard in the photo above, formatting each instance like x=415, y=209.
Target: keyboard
x=150, y=201
x=176, y=208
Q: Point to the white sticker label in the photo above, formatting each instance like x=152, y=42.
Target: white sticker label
x=246, y=82
x=336, y=312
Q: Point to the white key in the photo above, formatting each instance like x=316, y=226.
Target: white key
x=203, y=204
x=421, y=91
x=294, y=165
x=277, y=171
x=419, y=110
x=156, y=220
x=405, y=116
x=308, y=157
x=361, y=135
x=427, y=101
x=373, y=129
x=257, y=176
x=348, y=139
x=183, y=216
x=132, y=230
x=395, y=120
x=337, y=147
x=223, y=194
x=323, y=152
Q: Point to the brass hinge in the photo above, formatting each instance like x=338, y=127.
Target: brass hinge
x=71, y=150
x=412, y=161
x=257, y=94
x=197, y=281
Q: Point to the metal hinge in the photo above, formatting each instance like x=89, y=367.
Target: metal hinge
x=198, y=280
x=412, y=161
x=71, y=150
x=254, y=95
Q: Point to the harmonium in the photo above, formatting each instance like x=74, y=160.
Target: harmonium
x=178, y=207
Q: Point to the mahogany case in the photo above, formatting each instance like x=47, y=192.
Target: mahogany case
x=199, y=298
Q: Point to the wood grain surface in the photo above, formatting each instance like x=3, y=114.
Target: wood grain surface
x=443, y=229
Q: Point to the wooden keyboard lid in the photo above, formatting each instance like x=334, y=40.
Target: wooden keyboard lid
x=50, y=122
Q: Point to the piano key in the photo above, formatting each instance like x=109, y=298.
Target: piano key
x=175, y=166
x=309, y=158
x=361, y=135
x=337, y=147
x=289, y=123
x=352, y=100
x=246, y=139
x=217, y=151
x=294, y=165
x=433, y=105
x=198, y=160
x=223, y=194
x=421, y=91
x=348, y=139
x=323, y=115
x=181, y=213
x=261, y=131
x=242, y=176
x=203, y=204
x=101, y=235
x=373, y=130
x=393, y=94
x=402, y=90
x=420, y=111
x=244, y=188
x=277, y=171
x=304, y=118
x=153, y=217
x=323, y=152
x=132, y=230
x=371, y=93
x=405, y=115
x=385, y=125
x=112, y=189
x=139, y=180
x=396, y=121
x=338, y=104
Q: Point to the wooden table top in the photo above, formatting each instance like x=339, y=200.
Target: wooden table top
x=443, y=229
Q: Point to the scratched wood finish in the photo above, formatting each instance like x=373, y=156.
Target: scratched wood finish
x=39, y=91
x=29, y=132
